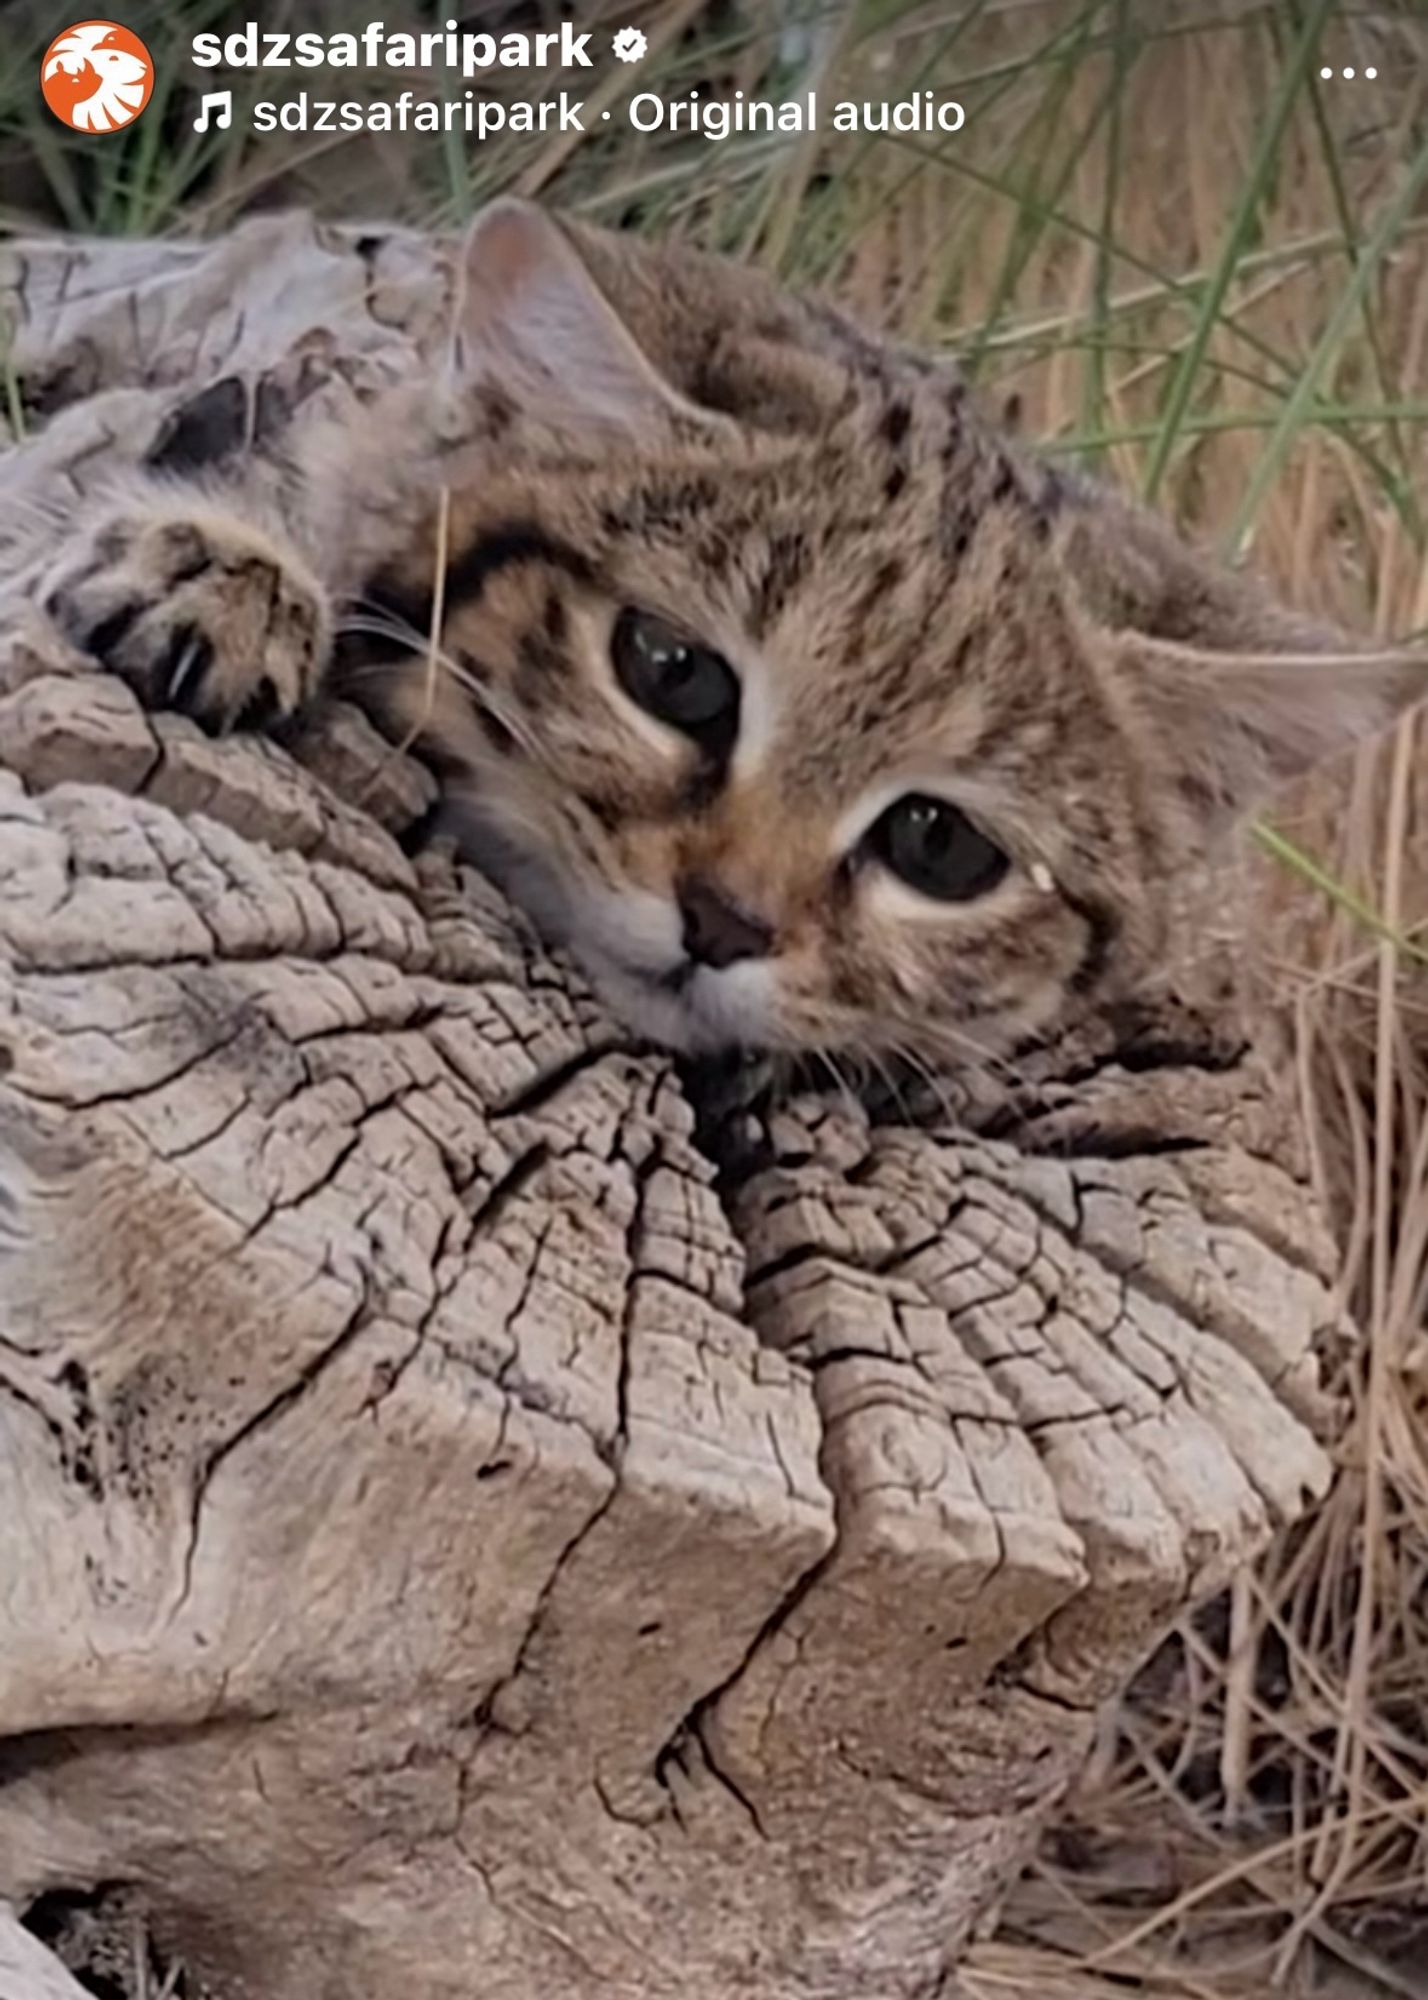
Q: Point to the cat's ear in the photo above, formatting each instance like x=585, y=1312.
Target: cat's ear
x=532, y=320
x=1240, y=696
x=1233, y=728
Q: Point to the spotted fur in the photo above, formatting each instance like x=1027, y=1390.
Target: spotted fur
x=910, y=602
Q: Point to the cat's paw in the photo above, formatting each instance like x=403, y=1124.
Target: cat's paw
x=198, y=611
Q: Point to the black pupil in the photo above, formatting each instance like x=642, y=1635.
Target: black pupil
x=680, y=677
x=689, y=686
x=933, y=847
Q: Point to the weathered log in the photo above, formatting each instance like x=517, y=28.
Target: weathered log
x=451, y=1540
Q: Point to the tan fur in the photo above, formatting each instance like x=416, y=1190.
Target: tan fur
x=911, y=604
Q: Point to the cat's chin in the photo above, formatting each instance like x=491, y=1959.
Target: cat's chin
x=702, y=1011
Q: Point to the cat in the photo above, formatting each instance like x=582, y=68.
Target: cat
x=807, y=709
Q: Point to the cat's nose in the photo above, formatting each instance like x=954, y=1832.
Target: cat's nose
x=716, y=931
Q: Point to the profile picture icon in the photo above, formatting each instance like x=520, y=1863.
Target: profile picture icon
x=97, y=76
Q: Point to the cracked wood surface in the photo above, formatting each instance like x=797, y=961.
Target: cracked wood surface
x=452, y=1539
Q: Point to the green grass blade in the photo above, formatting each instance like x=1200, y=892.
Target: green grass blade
x=1318, y=877
x=1241, y=225
x=1385, y=233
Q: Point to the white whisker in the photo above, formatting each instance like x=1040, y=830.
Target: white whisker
x=826, y=1061
x=483, y=696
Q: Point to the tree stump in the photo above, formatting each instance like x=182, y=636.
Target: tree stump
x=452, y=1540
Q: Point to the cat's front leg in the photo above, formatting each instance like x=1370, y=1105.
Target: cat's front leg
x=200, y=609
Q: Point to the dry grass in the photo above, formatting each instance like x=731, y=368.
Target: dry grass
x=1176, y=253
x=1257, y=1821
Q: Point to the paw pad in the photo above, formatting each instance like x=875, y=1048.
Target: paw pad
x=206, y=618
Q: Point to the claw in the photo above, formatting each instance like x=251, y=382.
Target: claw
x=190, y=655
x=187, y=660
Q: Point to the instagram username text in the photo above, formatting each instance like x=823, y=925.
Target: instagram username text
x=374, y=47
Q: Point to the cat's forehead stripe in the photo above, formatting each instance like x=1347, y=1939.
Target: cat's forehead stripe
x=786, y=563
x=500, y=547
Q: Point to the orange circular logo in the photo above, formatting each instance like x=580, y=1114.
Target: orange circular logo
x=97, y=76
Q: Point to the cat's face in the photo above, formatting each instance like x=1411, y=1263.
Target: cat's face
x=779, y=774
x=770, y=689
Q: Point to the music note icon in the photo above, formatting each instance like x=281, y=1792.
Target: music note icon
x=222, y=100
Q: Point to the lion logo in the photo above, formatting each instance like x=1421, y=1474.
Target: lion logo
x=97, y=76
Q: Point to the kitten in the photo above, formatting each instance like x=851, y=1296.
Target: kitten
x=808, y=710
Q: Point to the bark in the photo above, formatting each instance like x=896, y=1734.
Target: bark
x=451, y=1538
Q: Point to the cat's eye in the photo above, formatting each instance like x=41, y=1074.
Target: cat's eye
x=689, y=686
x=932, y=846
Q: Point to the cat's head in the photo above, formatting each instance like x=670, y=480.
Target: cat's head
x=811, y=713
